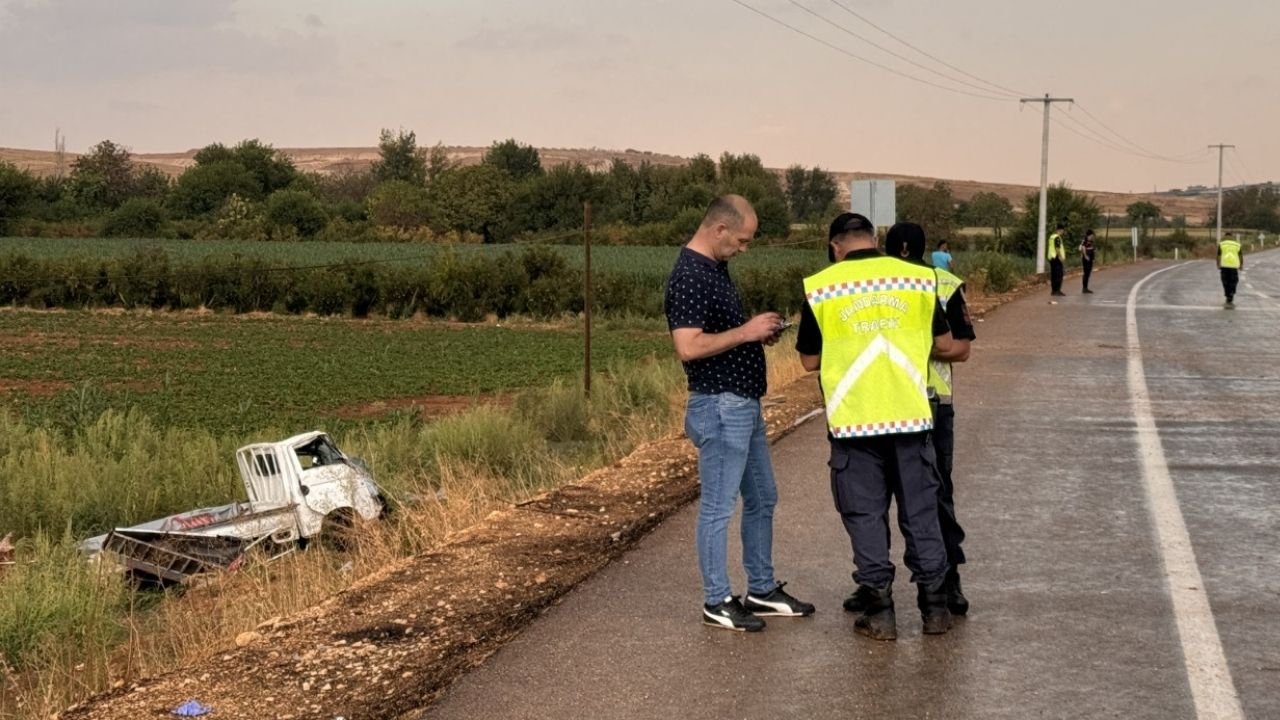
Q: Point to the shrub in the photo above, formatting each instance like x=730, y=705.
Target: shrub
x=138, y=218
x=992, y=272
x=296, y=209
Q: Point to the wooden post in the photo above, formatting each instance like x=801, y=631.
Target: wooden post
x=586, y=291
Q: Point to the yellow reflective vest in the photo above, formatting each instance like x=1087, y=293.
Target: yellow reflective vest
x=1229, y=254
x=1055, y=249
x=876, y=320
x=940, y=370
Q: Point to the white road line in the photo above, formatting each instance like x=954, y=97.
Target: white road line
x=1212, y=688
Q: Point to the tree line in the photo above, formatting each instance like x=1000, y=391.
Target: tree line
x=251, y=191
x=941, y=214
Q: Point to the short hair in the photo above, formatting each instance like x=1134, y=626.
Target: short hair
x=1088, y=232
x=941, y=243
x=732, y=210
x=905, y=235
x=1062, y=226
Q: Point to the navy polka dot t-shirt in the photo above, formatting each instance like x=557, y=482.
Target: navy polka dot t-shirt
x=700, y=294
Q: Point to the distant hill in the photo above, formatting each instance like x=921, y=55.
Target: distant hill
x=1196, y=208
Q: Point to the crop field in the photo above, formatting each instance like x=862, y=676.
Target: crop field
x=247, y=374
x=603, y=258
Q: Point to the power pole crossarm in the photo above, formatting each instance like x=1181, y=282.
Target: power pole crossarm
x=1220, y=148
x=1044, y=176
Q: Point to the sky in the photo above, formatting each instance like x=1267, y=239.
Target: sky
x=674, y=76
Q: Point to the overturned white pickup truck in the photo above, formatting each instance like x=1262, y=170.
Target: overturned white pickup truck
x=298, y=489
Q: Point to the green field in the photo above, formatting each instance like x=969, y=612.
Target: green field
x=604, y=258
x=244, y=374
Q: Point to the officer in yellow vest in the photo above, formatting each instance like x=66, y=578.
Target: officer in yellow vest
x=869, y=326
x=907, y=240
x=1057, y=255
x=1230, y=262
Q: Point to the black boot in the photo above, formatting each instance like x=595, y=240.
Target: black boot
x=957, y=603
x=877, y=620
x=932, y=601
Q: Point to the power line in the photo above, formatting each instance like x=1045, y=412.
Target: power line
x=1237, y=157
x=1096, y=137
x=1236, y=167
x=861, y=59
x=934, y=58
x=1082, y=130
x=1136, y=146
x=882, y=48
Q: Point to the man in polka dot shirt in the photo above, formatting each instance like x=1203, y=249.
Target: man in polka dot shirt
x=723, y=355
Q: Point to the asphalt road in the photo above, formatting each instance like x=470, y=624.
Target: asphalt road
x=1119, y=485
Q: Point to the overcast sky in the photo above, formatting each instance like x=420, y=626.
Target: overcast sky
x=675, y=76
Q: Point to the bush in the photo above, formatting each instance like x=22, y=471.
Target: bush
x=992, y=272
x=204, y=188
x=296, y=209
x=399, y=204
x=137, y=218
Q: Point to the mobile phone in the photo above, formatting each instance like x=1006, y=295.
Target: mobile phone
x=785, y=324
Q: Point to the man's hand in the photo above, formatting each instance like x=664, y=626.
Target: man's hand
x=762, y=328
x=694, y=344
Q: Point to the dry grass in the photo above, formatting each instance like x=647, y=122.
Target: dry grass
x=139, y=636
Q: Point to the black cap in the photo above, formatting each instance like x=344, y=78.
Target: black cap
x=849, y=222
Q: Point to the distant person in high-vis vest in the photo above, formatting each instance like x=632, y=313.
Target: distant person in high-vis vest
x=907, y=240
x=1230, y=262
x=1057, y=256
x=869, y=326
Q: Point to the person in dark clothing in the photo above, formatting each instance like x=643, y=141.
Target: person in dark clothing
x=1230, y=262
x=1086, y=259
x=908, y=241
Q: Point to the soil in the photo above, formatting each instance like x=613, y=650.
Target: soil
x=33, y=388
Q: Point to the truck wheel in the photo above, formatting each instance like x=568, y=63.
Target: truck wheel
x=338, y=532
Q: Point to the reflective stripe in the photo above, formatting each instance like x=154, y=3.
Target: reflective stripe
x=884, y=428
x=858, y=287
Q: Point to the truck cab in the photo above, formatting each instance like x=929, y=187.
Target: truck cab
x=309, y=473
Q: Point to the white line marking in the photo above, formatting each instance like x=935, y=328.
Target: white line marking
x=1212, y=688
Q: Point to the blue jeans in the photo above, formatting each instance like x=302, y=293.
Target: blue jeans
x=733, y=458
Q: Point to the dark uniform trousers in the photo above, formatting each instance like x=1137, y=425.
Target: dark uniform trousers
x=865, y=474
x=944, y=444
x=1055, y=275
x=1230, y=279
x=1086, y=263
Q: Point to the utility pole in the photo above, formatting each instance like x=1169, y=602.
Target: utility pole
x=586, y=292
x=1220, y=148
x=1044, y=176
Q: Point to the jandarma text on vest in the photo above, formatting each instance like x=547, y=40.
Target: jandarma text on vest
x=871, y=301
